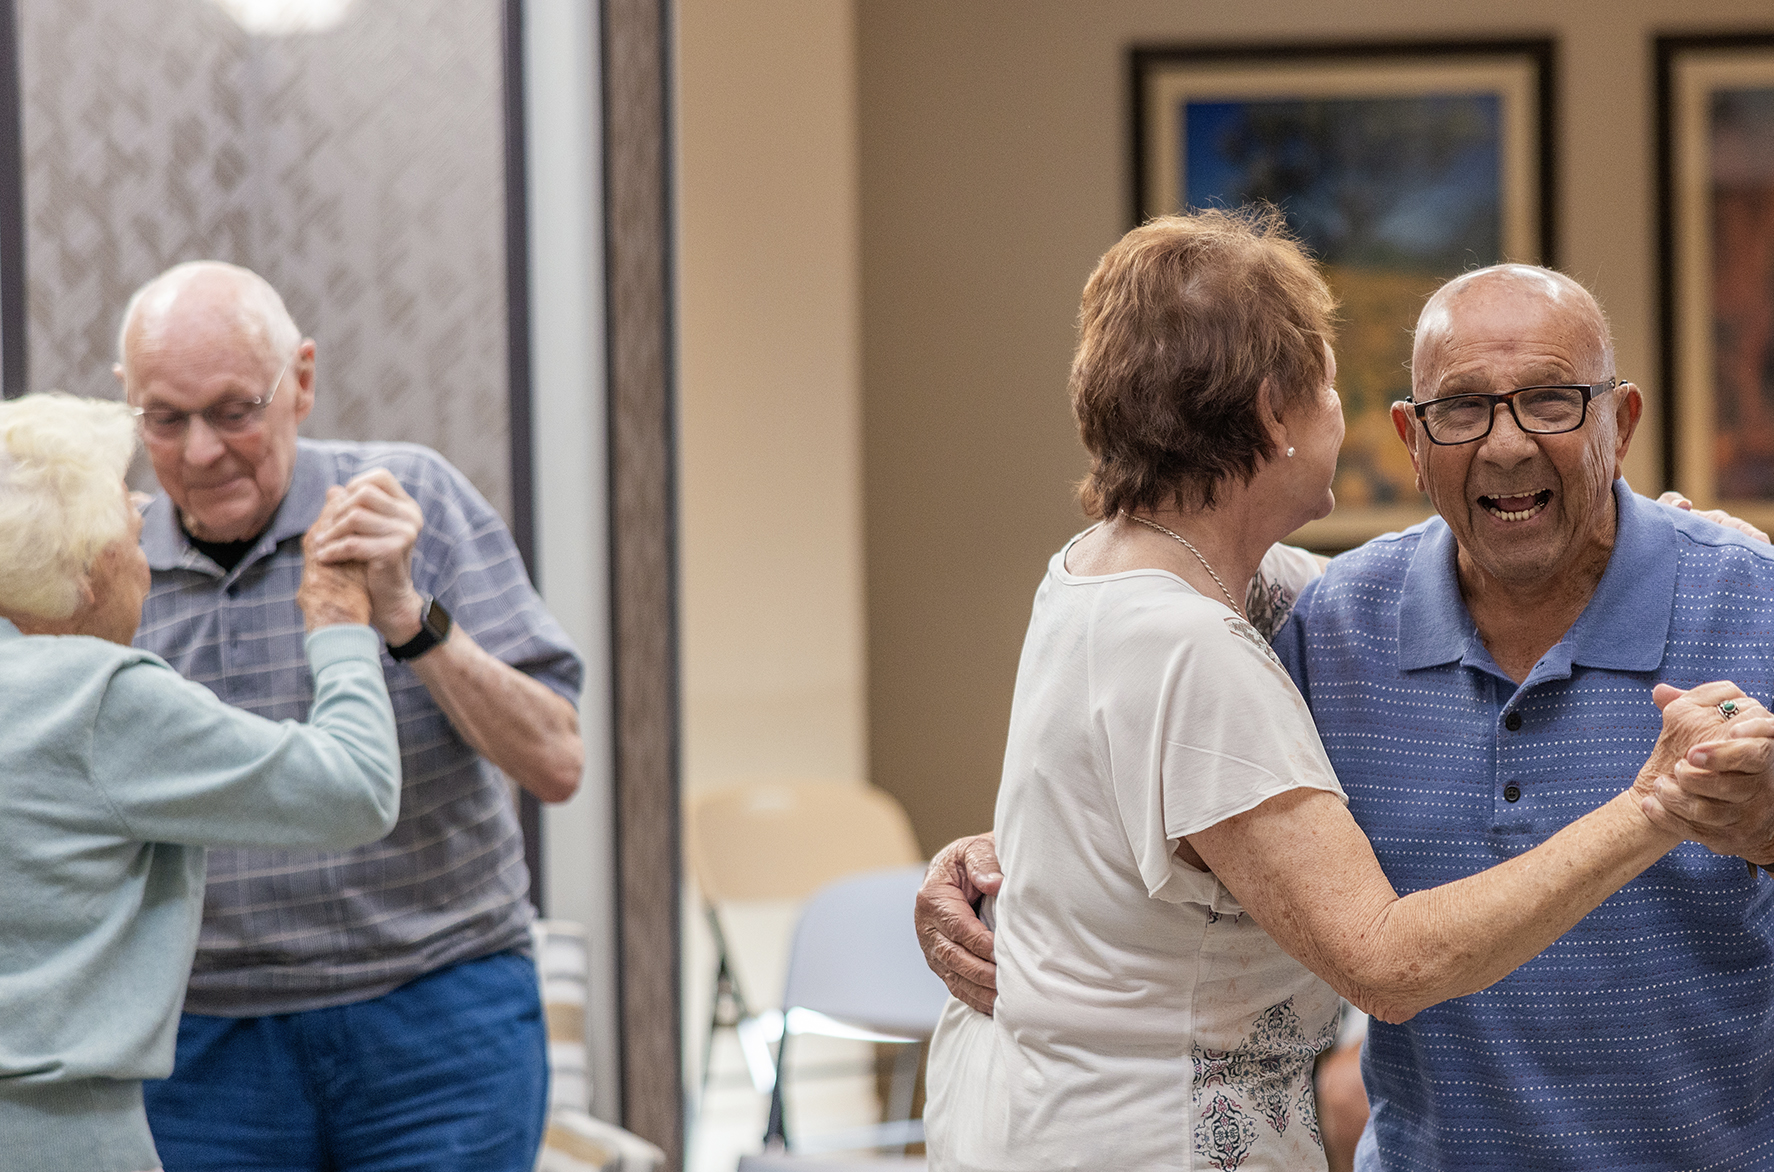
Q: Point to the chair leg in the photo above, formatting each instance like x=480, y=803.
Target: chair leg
x=776, y=1134
x=905, y=1083
x=728, y=1006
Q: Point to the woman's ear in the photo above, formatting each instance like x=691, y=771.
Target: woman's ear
x=1269, y=410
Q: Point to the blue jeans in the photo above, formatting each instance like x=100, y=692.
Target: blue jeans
x=448, y=1073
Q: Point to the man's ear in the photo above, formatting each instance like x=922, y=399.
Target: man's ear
x=117, y=371
x=1627, y=410
x=1406, y=426
x=303, y=370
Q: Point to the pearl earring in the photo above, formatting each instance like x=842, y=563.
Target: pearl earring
x=1290, y=453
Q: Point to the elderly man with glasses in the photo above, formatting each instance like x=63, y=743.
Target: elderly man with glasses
x=368, y=1008
x=1480, y=681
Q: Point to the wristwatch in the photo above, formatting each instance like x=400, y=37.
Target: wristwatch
x=434, y=628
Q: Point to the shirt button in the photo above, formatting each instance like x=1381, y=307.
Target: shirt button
x=1512, y=792
x=1512, y=722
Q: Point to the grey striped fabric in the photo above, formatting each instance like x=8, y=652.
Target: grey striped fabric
x=285, y=931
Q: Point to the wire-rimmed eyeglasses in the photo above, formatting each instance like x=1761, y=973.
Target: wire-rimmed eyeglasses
x=1544, y=410
x=231, y=417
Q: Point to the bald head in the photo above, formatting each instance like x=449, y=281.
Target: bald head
x=210, y=354
x=214, y=296
x=1530, y=289
x=1531, y=507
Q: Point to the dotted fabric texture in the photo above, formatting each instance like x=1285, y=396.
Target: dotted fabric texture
x=1642, y=1038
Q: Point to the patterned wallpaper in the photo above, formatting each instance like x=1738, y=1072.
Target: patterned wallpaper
x=360, y=170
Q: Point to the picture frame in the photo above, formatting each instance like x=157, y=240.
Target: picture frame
x=1715, y=197
x=1400, y=164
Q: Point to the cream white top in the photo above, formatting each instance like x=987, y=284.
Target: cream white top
x=1143, y=1020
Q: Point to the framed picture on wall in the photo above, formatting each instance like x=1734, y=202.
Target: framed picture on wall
x=1399, y=164
x=1715, y=154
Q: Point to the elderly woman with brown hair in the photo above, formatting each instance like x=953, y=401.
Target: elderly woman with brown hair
x=115, y=774
x=1185, y=892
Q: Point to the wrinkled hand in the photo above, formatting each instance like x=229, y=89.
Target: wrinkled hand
x=330, y=593
x=957, y=945
x=1712, y=779
x=1718, y=516
x=377, y=524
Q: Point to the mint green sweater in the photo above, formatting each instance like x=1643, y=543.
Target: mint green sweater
x=115, y=774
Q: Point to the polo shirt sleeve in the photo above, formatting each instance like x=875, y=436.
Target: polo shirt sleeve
x=177, y=765
x=465, y=556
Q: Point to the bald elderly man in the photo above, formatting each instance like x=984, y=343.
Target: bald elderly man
x=371, y=1008
x=1468, y=678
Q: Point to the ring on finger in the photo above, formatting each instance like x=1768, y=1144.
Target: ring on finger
x=1728, y=709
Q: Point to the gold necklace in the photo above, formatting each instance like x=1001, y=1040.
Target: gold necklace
x=1188, y=545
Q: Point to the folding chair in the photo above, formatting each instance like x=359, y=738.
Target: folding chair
x=781, y=840
x=855, y=971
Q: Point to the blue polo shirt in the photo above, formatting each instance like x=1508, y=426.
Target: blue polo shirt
x=1645, y=1037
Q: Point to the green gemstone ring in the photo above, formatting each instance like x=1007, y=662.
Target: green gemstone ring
x=1728, y=709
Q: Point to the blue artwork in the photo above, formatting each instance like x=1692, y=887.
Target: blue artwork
x=1392, y=195
x=1396, y=183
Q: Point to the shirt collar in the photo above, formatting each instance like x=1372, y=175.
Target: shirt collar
x=8, y=631
x=167, y=547
x=1624, y=627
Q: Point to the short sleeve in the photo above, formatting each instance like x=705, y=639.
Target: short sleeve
x=467, y=558
x=1201, y=723
x=1239, y=735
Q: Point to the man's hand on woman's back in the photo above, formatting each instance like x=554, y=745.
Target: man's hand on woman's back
x=957, y=944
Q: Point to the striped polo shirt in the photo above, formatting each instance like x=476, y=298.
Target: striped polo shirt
x=1645, y=1037
x=289, y=930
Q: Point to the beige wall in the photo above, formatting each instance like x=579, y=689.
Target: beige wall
x=770, y=392
x=993, y=174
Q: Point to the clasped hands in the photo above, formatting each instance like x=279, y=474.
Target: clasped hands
x=1709, y=778
x=357, y=558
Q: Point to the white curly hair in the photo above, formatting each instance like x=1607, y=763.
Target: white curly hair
x=62, y=461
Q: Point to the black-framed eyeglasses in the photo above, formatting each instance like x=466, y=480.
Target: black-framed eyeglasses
x=231, y=417
x=1548, y=410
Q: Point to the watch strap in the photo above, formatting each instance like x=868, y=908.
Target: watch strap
x=434, y=628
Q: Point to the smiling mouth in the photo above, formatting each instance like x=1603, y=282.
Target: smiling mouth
x=1516, y=508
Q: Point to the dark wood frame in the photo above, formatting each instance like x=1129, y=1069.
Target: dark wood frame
x=519, y=387
x=639, y=295
x=1351, y=525
x=14, y=350
x=1666, y=49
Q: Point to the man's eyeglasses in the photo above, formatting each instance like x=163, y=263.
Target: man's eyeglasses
x=1461, y=419
x=231, y=417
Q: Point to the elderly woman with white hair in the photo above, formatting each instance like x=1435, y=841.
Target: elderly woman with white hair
x=115, y=774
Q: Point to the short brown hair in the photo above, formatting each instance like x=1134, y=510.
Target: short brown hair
x=1180, y=324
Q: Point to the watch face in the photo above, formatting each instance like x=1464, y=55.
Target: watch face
x=437, y=619
x=434, y=628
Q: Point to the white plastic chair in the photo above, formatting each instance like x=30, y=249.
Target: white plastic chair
x=855, y=971
x=781, y=840
x=778, y=1163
